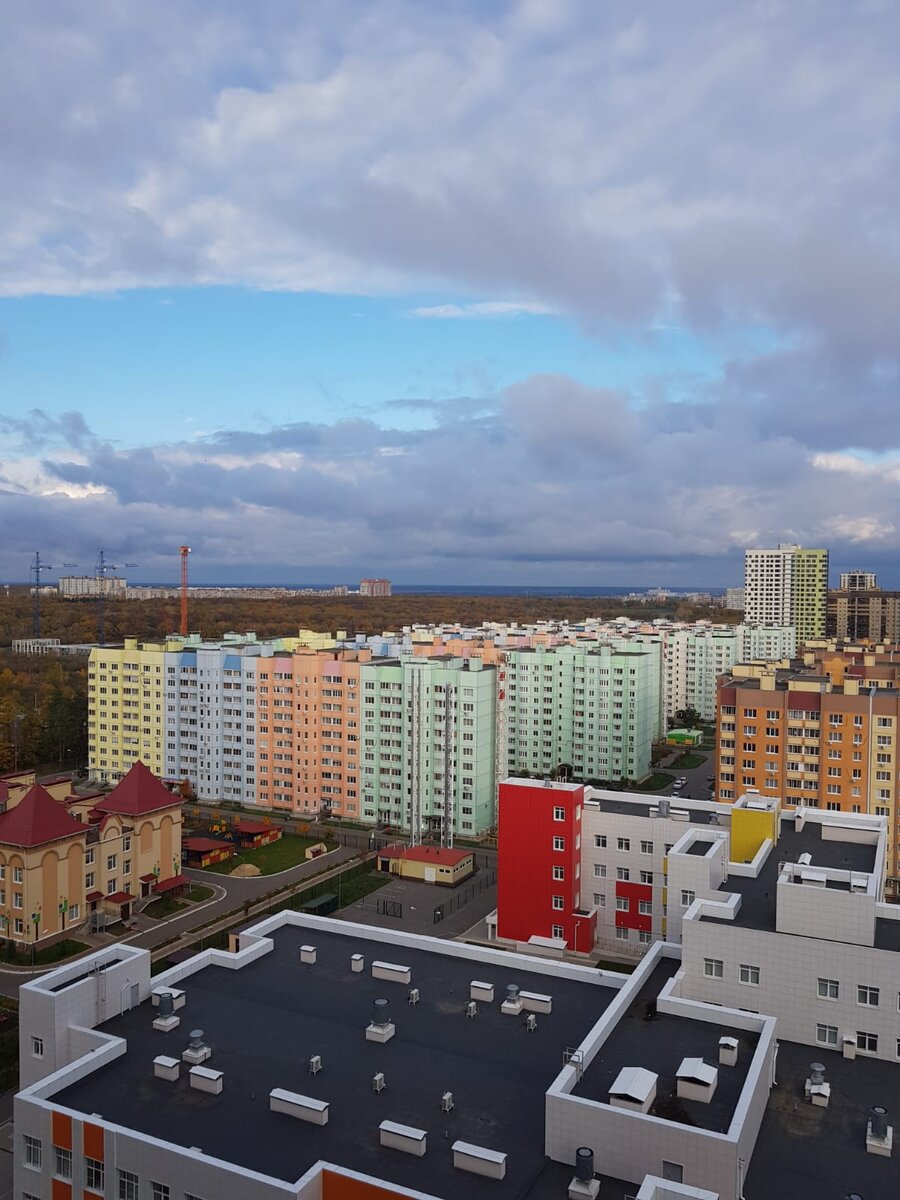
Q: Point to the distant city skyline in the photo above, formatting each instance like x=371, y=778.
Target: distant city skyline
x=533, y=291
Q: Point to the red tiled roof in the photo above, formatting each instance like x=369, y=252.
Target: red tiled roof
x=148, y=878
x=92, y=896
x=37, y=819
x=120, y=898
x=138, y=793
x=251, y=827
x=427, y=854
x=169, y=885
x=198, y=845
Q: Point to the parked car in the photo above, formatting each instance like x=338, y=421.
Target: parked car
x=681, y=780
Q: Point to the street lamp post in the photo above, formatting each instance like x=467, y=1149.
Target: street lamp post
x=36, y=922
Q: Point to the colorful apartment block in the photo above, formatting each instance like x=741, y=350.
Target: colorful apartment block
x=594, y=710
x=813, y=735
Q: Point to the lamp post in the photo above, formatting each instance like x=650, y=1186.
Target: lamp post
x=36, y=922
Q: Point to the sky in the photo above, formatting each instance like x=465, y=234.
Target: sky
x=543, y=292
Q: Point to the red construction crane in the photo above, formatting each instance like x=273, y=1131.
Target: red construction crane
x=185, y=551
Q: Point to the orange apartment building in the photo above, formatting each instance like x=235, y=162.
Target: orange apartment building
x=812, y=734
x=307, y=731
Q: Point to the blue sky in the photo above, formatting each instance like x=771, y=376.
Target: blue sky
x=151, y=365
x=536, y=292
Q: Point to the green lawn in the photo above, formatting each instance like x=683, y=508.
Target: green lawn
x=165, y=906
x=689, y=759
x=657, y=781
x=277, y=856
x=199, y=893
x=50, y=954
x=361, y=885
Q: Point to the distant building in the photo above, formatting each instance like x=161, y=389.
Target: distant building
x=86, y=587
x=734, y=598
x=863, y=614
x=35, y=646
x=858, y=581
x=375, y=587
x=787, y=586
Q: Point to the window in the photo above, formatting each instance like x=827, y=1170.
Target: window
x=558, y=902
x=128, y=1185
x=687, y=898
x=622, y=934
x=111, y=862
x=867, y=996
x=645, y=907
x=556, y=931
x=828, y=989
x=713, y=968
x=749, y=974
x=32, y=1152
x=599, y=871
x=645, y=937
x=646, y=847
x=94, y=1175
x=623, y=844
x=559, y=813
x=559, y=843
x=600, y=841
x=867, y=1042
x=599, y=900
x=559, y=873
x=623, y=873
x=826, y=1035
x=17, y=875
x=63, y=1164
x=646, y=877
x=160, y=1190
x=37, y=1047
x=623, y=904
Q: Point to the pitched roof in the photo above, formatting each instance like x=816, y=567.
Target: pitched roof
x=203, y=845
x=139, y=792
x=426, y=854
x=37, y=819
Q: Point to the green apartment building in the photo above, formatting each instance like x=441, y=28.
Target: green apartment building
x=594, y=709
x=428, y=745
x=810, y=593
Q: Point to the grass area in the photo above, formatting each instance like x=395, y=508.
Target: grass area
x=362, y=885
x=165, y=906
x=9, y=1055
x=657, y=781
x=689, y=759
x=606, y=964
x=50, y=954
x=287, y=852
x=199, y=892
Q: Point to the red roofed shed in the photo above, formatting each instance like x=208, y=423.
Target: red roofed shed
x=432, y=864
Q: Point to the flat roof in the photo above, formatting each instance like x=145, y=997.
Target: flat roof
x=758, y=904
x=807, y=1152
x=265, y=1020
x=659, y=1043
x=644, y=807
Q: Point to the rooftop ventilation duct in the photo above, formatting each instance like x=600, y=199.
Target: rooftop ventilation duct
x=584, y=1164
x=878, y=1122
x=663, y=806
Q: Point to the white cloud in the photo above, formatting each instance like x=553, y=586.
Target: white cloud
x=481, y=309
x=859, y=529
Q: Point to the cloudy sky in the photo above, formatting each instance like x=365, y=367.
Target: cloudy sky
x=538, y=292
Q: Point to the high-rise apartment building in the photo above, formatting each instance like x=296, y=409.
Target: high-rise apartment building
x=695, y=657
x=814, y=736
x=126, y=709
x=862, y=614
x=858, y=581
x=787, y=586
x=375, y=587
x=595, y=710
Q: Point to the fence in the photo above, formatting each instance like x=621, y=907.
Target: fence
x=482, y=881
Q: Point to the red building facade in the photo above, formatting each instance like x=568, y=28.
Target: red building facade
x=539, y=865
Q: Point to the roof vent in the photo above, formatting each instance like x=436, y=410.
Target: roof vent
x=878, y=1119
x=381, y=1028
x=197, y=1052
x=513, y=1004
x=816, y=1090
x=584, y=1183
x=816, y=1072
x=663, y=807
x=166, y=1020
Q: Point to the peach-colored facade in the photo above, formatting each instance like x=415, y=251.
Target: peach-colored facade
x=308, y=723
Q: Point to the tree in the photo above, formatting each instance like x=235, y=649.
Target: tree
x=689, y=718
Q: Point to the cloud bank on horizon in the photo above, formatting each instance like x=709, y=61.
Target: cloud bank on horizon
x=712, y=168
